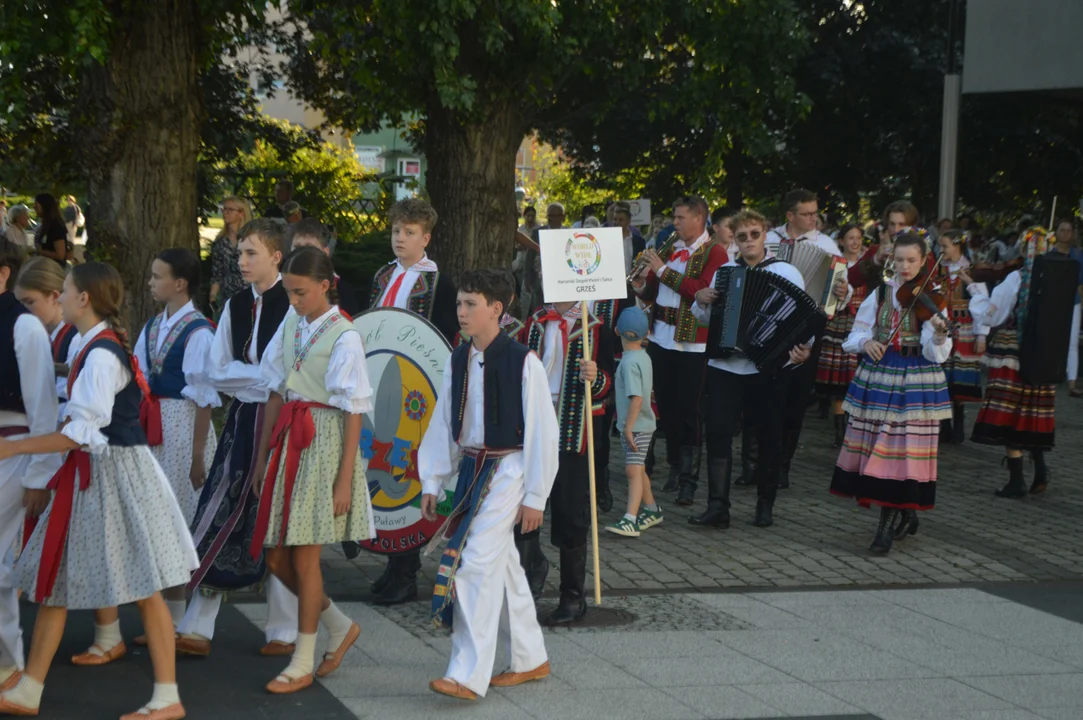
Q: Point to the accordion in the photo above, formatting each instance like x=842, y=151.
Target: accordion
x=1044, y=340
x=820, y=269
x=761, y=316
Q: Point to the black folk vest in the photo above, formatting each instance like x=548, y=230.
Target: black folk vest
x=502, y=364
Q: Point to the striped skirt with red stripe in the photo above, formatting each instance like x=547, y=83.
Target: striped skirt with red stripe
x=1013, y=414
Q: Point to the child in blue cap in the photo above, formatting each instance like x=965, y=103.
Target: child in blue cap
x=636, y=422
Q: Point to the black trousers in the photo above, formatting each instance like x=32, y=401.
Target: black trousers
x=756, y=401
x=798, y=382
x=678, y=390
x=602, y=441
x=569, y=502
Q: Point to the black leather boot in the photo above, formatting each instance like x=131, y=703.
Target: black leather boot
x=718, y=495
x=673, y=459
x=840, y=429
x=885, y=532
x=401, y=584
x=958, y=424
x=533, y=561
x=908, y=524
x=789, y=448
x=602, y=492
x=945, y=431
x=1015, y=488
x=748, y=459
x=351, y=549
x=784, y=476
x=381, y=582
x=764, y=507
x=573, y=575
x=825, y=407
x=1041, y=473
x=686, y=494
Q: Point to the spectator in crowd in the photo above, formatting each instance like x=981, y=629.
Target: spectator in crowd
x=283, y=196
x=73, y=219
x=721, y=231
x=530, y=220
x=531, y=292
x=592, y=222
x=51, y=236
x=292, y=212
x=226, y=278
x=943, y=225
x=633, y=241
x=658, y=224
x=588, y=212
x=18, y=222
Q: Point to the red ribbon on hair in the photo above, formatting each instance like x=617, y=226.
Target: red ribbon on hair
x=295, y=420
x=76, y=467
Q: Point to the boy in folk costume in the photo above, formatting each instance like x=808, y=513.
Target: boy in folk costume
x=309, y=463
x=681, y=267
x=411, y=282
x=28, y=407
x=963, y=368
x=225, y=518
x=312, y=233
x=172, y=352
x=896, y=402
x=494, y=426
x=555, y=333
x=1014, y=414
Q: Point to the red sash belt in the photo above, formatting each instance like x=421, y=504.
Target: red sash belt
x=295, y=416
x=75, y=467
x=150, y=418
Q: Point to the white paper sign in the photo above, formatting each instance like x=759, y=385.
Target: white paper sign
x=641, y=211
x=582, y=264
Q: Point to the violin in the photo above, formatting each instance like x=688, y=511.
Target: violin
x=920, y=297
x=996, y=272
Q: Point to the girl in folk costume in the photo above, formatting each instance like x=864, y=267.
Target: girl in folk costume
x=1013, y=414
x=172, y=350
x=836, y=367
x=38, y=287
x=313, y=488
x=897, y=399
x=27, y=407
x=963, y=368
x=113, y=533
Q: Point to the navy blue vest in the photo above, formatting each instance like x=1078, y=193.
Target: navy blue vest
x=11, y=389
x=123, y=429
x=502, y=364
x=62, y=343
x=275, y=305
x=170, y=381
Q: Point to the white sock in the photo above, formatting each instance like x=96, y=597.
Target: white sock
x=26, y=693
x=106, y=637
x=338, y=626
x=6, y=672
x=165, y=694
x=630, y=517
x=652, y=507
x=304, y=657
x=176, y=610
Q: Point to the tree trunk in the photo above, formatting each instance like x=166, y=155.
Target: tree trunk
x=471, y=184
x=141, y=145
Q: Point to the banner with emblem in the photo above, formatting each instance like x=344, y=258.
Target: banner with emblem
x=406, y=355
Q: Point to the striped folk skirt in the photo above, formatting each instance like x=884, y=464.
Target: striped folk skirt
x=835, y=369
x=963, y=368
x=889, y=454
x=1013, y=413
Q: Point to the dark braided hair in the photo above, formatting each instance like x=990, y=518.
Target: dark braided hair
x=102, y=283
x=314, y=264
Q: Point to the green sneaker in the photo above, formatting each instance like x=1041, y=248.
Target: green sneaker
x=648, y=519
x=624, y=527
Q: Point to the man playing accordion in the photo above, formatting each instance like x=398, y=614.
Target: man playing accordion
x=736, y=386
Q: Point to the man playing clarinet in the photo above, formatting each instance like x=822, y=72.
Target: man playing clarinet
x=681, y=267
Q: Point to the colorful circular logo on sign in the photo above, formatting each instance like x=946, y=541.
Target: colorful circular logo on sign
x=583, y=253
x=405, y=356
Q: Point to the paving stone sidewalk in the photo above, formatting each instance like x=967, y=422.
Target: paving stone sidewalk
x=819, y=540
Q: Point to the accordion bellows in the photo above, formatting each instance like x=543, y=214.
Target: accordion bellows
x=761, y=316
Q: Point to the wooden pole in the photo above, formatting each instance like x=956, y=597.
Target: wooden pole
x=588, y=418
x=1053, y=215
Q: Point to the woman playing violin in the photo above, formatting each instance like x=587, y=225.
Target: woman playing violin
x=898, y=397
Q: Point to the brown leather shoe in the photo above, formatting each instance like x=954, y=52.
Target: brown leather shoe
x=511, y=679
x=197, y=647
x=447, y=686
x=332, y=660
x=173, y=712
x=282, y=685
x=9, y=708
x=276, y=648
x=87, y=659
x=12, y=681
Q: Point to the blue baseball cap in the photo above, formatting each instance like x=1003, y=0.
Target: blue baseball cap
x=632, y=324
